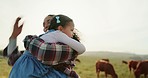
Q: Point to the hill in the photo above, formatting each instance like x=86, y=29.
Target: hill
x=108, y=54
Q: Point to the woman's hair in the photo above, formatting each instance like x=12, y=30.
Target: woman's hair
x=51, y=15
x=59, y=20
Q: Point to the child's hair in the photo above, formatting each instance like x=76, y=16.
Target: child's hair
x=59, y=20
x=51, y=15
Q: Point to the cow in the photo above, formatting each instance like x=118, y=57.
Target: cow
x=78, y=60
x=142, y=68
x=107, y=60
x=104, y=66
x=132, y=64
x=125, y=62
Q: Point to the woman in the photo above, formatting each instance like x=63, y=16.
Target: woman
x=13, y=54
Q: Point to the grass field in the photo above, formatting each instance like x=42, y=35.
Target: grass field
x=4, y=68
x=86, y=69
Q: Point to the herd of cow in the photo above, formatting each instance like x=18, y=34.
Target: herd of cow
x=138, y=67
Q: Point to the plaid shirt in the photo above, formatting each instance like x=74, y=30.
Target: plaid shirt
x=49, y=53
x=59, y=55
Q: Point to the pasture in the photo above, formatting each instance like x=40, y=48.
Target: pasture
x=86, y=69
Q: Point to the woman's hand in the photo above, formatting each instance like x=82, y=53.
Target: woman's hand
x=17, y=29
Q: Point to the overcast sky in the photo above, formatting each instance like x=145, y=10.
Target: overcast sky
x=104, y=25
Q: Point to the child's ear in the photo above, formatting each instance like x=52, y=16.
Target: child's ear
x=60, y=28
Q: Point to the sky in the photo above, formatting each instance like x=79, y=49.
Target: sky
x=103, y=25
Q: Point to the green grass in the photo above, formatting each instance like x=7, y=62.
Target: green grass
x=86, y=69
x=4, y=68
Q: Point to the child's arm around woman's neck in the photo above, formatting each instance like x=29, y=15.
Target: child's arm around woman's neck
x=61, y=37
x=58, y=36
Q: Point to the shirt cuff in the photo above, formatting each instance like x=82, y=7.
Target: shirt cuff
x=11, y=45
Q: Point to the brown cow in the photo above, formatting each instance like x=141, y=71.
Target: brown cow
x=78, y=60
x=142, y=68
x=107, y=60
x=105, y=67
x=125, y=62
x=131, y=64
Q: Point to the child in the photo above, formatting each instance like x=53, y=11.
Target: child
x=61, y=30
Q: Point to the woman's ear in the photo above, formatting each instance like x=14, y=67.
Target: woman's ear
x=60, y=28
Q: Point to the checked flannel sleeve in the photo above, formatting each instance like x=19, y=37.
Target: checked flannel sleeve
x=48, y=53
x=59, y=55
